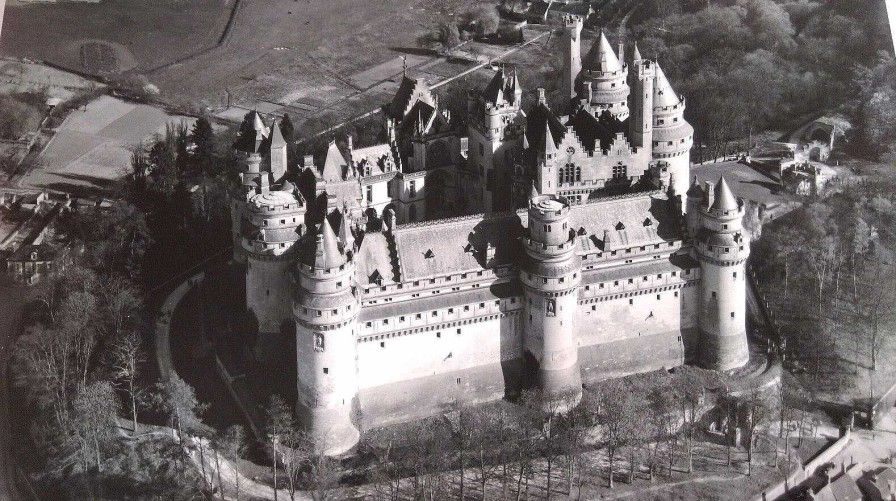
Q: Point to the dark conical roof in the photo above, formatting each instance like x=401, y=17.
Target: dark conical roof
x=601, y=57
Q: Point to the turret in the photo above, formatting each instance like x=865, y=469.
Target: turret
x=572, y=57
x=247, y=151
x=641, y=121
x=722, y=248
x=274, y=222
x=695, y=197
x=607, y=75
x=673, y=137
x=496, y=128
x=326, y=308
x=550, y=276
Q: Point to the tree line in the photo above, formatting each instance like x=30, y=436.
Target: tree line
x=828, y=271
x=94, y=408
x=755, y=65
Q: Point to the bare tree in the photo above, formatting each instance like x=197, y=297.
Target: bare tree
x=126, y=357
x=233, y=445
x=280, y=422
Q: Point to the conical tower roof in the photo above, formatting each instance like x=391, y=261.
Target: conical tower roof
x=695, y=191
x=601, y=57
x=345, y=233
x=724, y=199
x=637, y=55
x=257, y=122
x=326, y=253
x=663, y=94
x=334, y=164
x=533, y=193
x=277, y=139
x=549, y=147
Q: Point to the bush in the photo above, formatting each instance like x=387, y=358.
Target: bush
x=17, y=116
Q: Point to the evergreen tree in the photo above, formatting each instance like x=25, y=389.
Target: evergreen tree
x=203, y=138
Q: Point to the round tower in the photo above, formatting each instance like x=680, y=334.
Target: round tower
x=326, y=308
x=672, y=137
x=607, y=77
x=274, y=222
x=247, y=151
x=550, y=277
x=722, y=248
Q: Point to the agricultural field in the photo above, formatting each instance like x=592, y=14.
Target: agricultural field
x=92, y=147
x=320, y=60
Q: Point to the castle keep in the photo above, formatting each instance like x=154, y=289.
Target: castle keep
x=589, y=255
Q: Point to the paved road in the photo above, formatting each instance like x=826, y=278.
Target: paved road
x=12, y=301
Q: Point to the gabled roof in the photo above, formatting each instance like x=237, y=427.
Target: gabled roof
x=409, y=92
x=601, y=57
x=540, y=116
x=423, y=118
x=596, y=133
x=663, y=94
x=724, y=199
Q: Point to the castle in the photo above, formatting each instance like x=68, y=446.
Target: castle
x=590, y=255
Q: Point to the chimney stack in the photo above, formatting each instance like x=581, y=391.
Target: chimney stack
x=621, y=53
x=541, y=98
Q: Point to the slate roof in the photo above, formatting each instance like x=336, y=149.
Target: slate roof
x=603, y=217
x=503, y=87
x=374, y=256
x=450, y=242
x=594, y=132
x=335, y=165
x=602, y=57
x=663, y=94
x=409, y=91
x=723, y=199
x=535, y=126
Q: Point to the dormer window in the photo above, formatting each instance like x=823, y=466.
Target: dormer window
x=620, y=226
x=648, y=222
x=429, y=254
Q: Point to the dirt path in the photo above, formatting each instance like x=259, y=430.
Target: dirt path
x=655, y=488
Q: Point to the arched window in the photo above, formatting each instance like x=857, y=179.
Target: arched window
x=578, y=174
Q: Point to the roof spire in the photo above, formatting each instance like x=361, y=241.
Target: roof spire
x=602, y=57
x=549, y=147
x=723, y=198
x=326, y=253
x=637, y=55
x=533, y=193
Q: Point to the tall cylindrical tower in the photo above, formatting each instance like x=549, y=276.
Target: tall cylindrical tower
x=722, y=249
x=641, y=121
x=550, y=278
x=673, y=137
x=274, y=223
x=326, y=308
x=572, y=56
